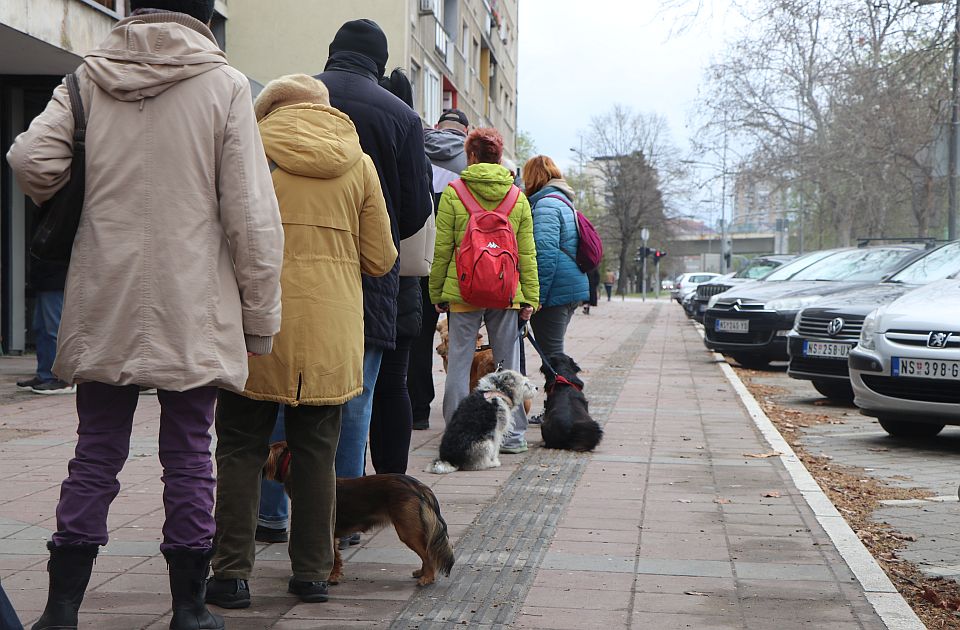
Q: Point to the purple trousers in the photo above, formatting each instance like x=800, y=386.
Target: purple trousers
x=106, y=420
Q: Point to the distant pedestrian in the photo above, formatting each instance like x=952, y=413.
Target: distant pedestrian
x=593, y=277
x=489, y=185
x=46, y=282
x=444, y=146
x=174, y=279
x=391, y=417
x=335, y=226
x=608, y=281
x=392, y=135
x=563, y=287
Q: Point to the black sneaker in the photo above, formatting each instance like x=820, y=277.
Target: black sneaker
x=270, y=535
x=27, y=384
x=228, y=593
x=349, y=541
x=421, y=425
x=51, y=388
x=310, y=592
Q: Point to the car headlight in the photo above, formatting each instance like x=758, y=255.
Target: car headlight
x=796, y=321
x=868, y=334
x=792, y=303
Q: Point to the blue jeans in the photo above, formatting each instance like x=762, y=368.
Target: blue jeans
x=8, y=617
x=355, y=422
x=274, y=507
x=46, y=322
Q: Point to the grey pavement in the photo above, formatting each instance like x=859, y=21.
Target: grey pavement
x=667, y=525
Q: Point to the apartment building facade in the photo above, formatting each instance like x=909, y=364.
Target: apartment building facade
x=758, y=202
x=457, y=53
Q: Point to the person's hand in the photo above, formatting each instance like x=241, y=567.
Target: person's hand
x=442, y=308
x=526, y=312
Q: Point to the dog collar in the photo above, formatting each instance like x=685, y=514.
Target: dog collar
x=560, y=380
x=283, y=466
x=507, y=399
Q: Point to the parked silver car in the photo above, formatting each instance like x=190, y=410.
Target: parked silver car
x=906, y=369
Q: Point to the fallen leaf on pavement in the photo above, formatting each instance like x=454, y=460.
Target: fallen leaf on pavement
x=773, y=494
x=722, y=501
x=763, y=455
x=696, y=593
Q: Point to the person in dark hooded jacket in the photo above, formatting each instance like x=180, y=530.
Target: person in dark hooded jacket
x=391, y=134
x=391, y=417
x=444, y=146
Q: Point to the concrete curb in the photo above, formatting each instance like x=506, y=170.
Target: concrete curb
x=886, y=600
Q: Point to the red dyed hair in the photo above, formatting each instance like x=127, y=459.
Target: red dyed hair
x=485, y=144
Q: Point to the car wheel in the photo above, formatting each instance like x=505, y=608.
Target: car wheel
x=835, y=390
x=905, y=429
x=751, y=362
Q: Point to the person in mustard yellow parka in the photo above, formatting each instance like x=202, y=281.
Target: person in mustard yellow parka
x=489, y=183
x=335, y=226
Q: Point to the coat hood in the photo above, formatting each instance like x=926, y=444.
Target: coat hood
x=145, y=55
x=311, y=140
x=488, y=181
x=443, y=144
x=553, y=187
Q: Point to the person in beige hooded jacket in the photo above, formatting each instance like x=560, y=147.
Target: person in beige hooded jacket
x=336, y=226
x=173, y=279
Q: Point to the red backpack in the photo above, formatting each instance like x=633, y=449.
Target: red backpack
x=488, y=257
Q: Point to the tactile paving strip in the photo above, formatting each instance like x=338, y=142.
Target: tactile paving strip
x=497, y=558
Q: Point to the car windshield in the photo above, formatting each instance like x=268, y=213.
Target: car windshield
x=788, y=270
x=701, y=279
x=858, y=265
x=758, y=269
x=941, y=263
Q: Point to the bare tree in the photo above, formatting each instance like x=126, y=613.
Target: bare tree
x=631, y=165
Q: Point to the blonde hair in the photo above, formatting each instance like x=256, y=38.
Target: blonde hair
x=537, y=171
x=292, y=89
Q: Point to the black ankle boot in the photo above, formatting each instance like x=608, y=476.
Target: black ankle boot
x=69, y=568
x=188, y=584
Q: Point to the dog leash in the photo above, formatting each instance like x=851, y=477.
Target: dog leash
x=557, y=378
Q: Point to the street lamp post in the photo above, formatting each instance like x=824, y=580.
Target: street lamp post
x=954, y=122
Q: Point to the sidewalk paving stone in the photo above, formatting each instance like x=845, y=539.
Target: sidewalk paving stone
x=664, y=526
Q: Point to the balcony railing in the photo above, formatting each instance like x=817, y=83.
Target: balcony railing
x=115, y=8
x=444, y=45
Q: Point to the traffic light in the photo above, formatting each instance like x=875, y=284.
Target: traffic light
x=658, y=254
x=643, y=252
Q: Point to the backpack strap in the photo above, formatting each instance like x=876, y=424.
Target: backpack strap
x=576, y=222
x=473, y=206
x=76, y=107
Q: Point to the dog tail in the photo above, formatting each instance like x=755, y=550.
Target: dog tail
x=585, y=436
x=438, y=541
x=440, y=467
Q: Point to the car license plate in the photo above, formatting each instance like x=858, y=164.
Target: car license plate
x=925, y=368
x=826, y=349
x=732, y=325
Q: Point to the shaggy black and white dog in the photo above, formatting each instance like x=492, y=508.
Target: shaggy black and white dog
x=472, y=438
x=566, y=418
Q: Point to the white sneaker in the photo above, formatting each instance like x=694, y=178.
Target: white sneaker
x=53, y=388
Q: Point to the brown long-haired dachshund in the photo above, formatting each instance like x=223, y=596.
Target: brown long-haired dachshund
x=367, y=503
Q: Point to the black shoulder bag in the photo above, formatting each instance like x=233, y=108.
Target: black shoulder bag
x=60, y=218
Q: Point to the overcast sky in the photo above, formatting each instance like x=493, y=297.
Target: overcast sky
x=578, y=58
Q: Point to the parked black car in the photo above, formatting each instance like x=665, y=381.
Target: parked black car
x=825, y=332
x=758, y=268
x=750, y=323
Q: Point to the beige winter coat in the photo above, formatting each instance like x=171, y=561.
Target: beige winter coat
x=179, y=249
x=336, y=225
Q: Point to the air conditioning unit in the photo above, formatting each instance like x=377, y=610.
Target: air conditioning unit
x=428, y=6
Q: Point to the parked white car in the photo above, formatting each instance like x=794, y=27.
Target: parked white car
x=687, y=283
x=906, y=369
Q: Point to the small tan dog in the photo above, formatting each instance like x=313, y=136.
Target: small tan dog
x=483, y=362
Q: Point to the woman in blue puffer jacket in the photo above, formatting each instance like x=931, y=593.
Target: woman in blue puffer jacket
x=563, y=287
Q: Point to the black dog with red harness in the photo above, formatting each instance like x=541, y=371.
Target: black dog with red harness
x=566, y=418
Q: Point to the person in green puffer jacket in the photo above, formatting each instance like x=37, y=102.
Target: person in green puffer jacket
x=489, y=182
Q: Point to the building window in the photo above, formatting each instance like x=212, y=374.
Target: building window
x=116, y=8
x=431, y=94
x=464, y=40
x=415, y=84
